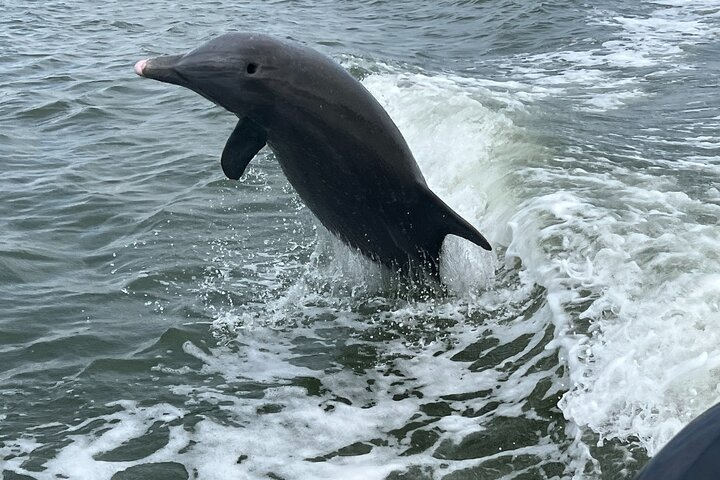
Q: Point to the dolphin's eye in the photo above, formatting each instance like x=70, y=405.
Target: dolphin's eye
x=251, y=68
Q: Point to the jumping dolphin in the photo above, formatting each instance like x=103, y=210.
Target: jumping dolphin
x=337, y=146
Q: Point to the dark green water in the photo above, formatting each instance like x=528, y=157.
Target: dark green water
x=159, y=321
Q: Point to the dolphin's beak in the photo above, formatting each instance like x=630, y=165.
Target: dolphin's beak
x=162, y=69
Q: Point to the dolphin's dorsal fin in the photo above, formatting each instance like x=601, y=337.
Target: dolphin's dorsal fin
x=244, y=143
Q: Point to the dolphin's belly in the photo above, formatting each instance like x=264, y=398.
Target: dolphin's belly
x=367, y=206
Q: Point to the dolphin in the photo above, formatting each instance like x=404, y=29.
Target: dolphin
x=335, y=143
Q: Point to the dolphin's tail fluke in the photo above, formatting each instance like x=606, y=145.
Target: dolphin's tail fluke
x=450, y=223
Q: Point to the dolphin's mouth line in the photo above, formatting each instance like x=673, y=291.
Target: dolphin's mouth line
x=193, y=87
x=196, y=89
x=182, y=77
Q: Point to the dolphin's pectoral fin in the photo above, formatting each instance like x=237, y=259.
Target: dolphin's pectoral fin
x=244, y=143
x=453, y=224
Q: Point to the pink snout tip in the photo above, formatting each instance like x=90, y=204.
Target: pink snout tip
x=140, y=66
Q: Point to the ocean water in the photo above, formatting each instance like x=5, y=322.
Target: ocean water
x=160, y=321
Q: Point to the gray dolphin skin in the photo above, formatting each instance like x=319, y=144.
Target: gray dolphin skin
x=692, y=454
x=337, y=146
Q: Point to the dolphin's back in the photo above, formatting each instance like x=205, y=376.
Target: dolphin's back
x=339, y=148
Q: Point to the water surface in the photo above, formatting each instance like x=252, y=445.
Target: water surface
x=161, y=321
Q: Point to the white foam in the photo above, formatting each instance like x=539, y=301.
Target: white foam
x=15, y=453
x=261, y=419
x=609, y=76
x=626, y=269
x=627, y=257
x=633, y=285
x=77, y=460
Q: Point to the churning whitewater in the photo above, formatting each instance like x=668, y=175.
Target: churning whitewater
x=161, y=321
